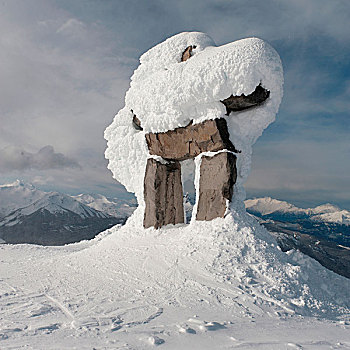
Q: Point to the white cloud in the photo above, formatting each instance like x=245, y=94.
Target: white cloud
x=61, y=84
x=72, y=26
x=57, y=90
x=14, y=158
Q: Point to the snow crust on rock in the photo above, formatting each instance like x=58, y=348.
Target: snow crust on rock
x=210, y=285
x=166, y=93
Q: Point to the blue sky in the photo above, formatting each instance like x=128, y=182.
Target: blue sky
x=65, y=67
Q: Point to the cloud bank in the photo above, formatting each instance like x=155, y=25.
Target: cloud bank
x=17, y=159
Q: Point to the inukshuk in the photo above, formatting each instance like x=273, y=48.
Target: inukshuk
x=162, y=187
x=189, y=99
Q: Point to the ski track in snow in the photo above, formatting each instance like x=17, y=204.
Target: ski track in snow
x=201, y=286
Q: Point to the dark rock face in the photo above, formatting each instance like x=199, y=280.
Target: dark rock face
x=190, y=141
x=136, y=122
x=163, y=194
x=240, y=103
x=218, y=174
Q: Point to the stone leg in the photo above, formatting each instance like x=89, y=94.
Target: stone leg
x=218, y=174
x=163, y=194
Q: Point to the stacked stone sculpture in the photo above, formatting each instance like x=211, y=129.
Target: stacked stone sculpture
x=190, y=99
x=162, y=186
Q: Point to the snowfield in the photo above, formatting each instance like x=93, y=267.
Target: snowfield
x=222, y=284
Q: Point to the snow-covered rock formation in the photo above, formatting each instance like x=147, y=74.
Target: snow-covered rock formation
x=166, y=94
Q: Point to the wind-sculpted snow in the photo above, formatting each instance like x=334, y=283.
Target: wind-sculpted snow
x=166, y=93
x=209, y=285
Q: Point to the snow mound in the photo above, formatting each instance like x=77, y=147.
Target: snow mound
x=166, y=93
x=215, y=285
x=234, y=256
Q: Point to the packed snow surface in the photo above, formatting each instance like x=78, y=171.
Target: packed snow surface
x=222, y=284
x=166, y=93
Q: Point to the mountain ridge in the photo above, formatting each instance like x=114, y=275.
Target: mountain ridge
x=29, y=215
x=267, y=206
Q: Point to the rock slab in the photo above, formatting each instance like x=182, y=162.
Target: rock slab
x=190, y=141
x=163, y=194
x=240, y=103
x=218, y=174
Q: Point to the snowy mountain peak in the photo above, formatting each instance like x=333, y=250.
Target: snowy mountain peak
x=29, y=215
x=22, y=199
x=17, y=195
x=268, y=205
x=55, y=202
x=325, y=208
x=113, y=206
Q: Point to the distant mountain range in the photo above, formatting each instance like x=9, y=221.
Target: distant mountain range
x=325, y=221
x=29, y=215
x=272, y=208
x=322, y=233
x=115, y=207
